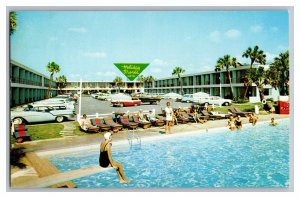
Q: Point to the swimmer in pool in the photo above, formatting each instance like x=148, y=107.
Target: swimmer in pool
x=273, y=123
x=105, y=159
x=238, y=122
x=231, y=123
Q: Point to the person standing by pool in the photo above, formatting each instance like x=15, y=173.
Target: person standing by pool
x=238, y=122
x=231, y=123
x=169, y=118
x=105, y=158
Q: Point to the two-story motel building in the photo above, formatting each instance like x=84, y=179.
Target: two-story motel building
x=213, y=83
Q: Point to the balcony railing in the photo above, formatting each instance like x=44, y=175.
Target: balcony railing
x=25, y=81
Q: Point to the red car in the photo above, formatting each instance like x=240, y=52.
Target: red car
x=126, y=103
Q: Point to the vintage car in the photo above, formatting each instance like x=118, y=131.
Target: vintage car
x=122, y=100
x=40, y=113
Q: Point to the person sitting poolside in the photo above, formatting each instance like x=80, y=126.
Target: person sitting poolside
x=231, y=123
x=141, y=116
x=151, y=115
x=105, y=158
x=253, y=118
x=238, y=122
x=273, y=123
x=86, y=125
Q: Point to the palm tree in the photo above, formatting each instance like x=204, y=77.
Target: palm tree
x=256, y=56
x=118, y=81
x=257, y=76
x=141, y=79
x=150, y=80
x=281, y=64
x=225, y=63
x=178, y=71
x=62, y=81
x=12, y=22
x=52, y=67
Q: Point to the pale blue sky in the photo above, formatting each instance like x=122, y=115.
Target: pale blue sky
x=86, y=44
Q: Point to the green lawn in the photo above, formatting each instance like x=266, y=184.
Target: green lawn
x=43, y=131
x=248, y=107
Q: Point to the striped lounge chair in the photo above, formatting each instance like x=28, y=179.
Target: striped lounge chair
x=142, y=124
x=126, y=123
x=21, y=133
x=115, y=127
x=98, y=122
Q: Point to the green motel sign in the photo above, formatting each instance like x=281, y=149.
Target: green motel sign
x=131, y=70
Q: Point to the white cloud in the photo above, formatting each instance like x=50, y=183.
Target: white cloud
x=215, y=36
x=77, y=29
x=155, y=70
x=274, y=29
x=159, y=62
x=95, y=54
x=107, y=73
x=233, y=33
x=256, y=28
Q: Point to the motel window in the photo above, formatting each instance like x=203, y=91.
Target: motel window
x=267, y=92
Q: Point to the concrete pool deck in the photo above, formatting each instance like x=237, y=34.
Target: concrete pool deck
x=91, y=141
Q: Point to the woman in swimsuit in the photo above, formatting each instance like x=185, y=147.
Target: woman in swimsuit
x=231, y=123
x=238, y=122
x=105, y=159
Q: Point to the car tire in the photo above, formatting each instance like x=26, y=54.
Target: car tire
x=59, y=119
x=187, y=101
x=226, y=104
x=121, y=105
x=206, y=103
x=19, y=121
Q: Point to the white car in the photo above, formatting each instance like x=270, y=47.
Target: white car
x=187, y=98
x=173, y=96
x=104, y=96
x=40, y=113
x=215, y=100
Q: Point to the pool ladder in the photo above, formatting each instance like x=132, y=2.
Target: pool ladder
x=132, y=135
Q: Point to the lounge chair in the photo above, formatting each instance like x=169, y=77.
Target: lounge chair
x=222, y=115
x=21, y=133
x=143, y=124
x=98, y=122
x=114, y=126
x=157, y=121
x=183, y=117
x=209, y=116
x=126, y=123
x=242, y=112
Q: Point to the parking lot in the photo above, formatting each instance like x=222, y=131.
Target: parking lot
x=92, y=106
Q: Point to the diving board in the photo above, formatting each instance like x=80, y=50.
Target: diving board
x=50, y=180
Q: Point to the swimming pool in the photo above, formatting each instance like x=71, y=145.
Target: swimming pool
x=252, y=157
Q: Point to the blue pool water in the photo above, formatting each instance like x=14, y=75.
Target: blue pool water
x=252, y=157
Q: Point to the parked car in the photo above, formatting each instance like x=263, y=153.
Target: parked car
x=104, y=96
x=187, y=98
x=40, y=113
x=215, y=100
x=123, y=100
x=68, y=105
x=173, y=96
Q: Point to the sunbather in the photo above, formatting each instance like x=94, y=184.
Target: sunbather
x=141, y=116
x=231, y=123
x=105, y=158
x=87, y=126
